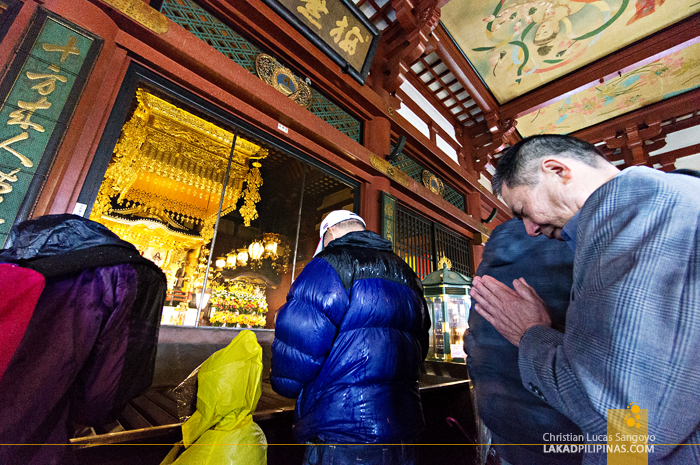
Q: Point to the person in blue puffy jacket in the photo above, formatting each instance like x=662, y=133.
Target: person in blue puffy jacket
x=348, y=346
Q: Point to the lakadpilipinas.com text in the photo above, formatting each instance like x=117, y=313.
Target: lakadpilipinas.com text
x=596, y=444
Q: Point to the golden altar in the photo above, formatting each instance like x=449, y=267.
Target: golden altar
x=163, y=186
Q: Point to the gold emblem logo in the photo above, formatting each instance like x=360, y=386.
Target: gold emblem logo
x=433, y=183
x=282, y=79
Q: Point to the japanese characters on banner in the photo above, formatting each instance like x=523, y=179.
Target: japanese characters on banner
x=34, y=114
x=343, y=29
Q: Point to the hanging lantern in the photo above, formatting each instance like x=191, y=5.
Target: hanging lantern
x=242, y=257
x=220, y=262
x=271, y=250
x=271, y=241
x=256, y=249
x=272, y=245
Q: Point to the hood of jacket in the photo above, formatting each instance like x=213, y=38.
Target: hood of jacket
x=367, y=239
x=57, y=234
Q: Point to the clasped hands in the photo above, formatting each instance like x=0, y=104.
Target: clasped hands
x=511, y=312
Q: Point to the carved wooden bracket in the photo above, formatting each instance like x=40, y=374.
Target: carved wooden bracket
x=509, y=134
x=480, y=164
x=405, y=41
x=485, y=147
x=480, y=158
x=502, y=132
x=632, y=142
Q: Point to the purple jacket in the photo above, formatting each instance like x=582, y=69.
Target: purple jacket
x=90, y=345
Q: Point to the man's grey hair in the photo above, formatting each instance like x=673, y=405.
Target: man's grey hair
x=519, y=164
x=347, y=225
x=350, y=224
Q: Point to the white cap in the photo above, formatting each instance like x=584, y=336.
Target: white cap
x=333, y=218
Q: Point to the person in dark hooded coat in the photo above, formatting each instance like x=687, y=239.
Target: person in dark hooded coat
x=90, y=342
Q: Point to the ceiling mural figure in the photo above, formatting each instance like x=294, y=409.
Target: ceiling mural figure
x=518, y=45
x=645, y=8
x=666, y=77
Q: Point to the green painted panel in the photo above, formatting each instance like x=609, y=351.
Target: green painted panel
x=62, y=44
x=3, y=239
x=40, y=85
x=388, y=217
x=335, y=116
x=28, y=140
x=454, y=197
x=12, y=200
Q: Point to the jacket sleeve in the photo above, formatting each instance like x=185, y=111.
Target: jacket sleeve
x=112, y=292
x=306, y=327
x=634, y=317
x=120, y=364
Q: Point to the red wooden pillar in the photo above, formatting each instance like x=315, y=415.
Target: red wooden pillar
x=377, y=138
x=477, y=255
x=370, y=209
x=474, y=210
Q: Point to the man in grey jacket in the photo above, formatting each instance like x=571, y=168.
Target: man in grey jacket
x=633, y=322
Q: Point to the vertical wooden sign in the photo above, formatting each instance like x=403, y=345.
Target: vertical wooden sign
x=39, y=95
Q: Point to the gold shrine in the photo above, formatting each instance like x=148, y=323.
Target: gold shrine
x=163, y=186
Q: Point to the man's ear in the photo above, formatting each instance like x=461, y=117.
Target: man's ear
x=556, y=167
x=331, y=233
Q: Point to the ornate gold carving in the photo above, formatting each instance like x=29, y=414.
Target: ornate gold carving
x=282, y=79
x=169, y=167
x=433, y=183
x=389, y=211
x=387, y=168
x=446, y=261
x=142, y=14
x=252, y=196
x=207, y=231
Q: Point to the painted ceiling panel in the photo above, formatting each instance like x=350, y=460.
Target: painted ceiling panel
x=518, y=45
x=671, y=75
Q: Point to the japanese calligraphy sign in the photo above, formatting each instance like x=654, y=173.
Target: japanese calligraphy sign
x=38, y=97
x=336, y=27
x=388, y=216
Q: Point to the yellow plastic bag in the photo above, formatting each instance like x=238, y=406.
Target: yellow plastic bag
x=222, y=430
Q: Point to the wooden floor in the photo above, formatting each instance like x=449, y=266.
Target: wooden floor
x=270, y=400
x=158, y=408
x=151, y=424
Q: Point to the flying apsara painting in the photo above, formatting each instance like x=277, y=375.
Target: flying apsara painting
x=518, y=45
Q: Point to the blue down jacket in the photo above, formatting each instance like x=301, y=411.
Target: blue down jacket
x=349, y=344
